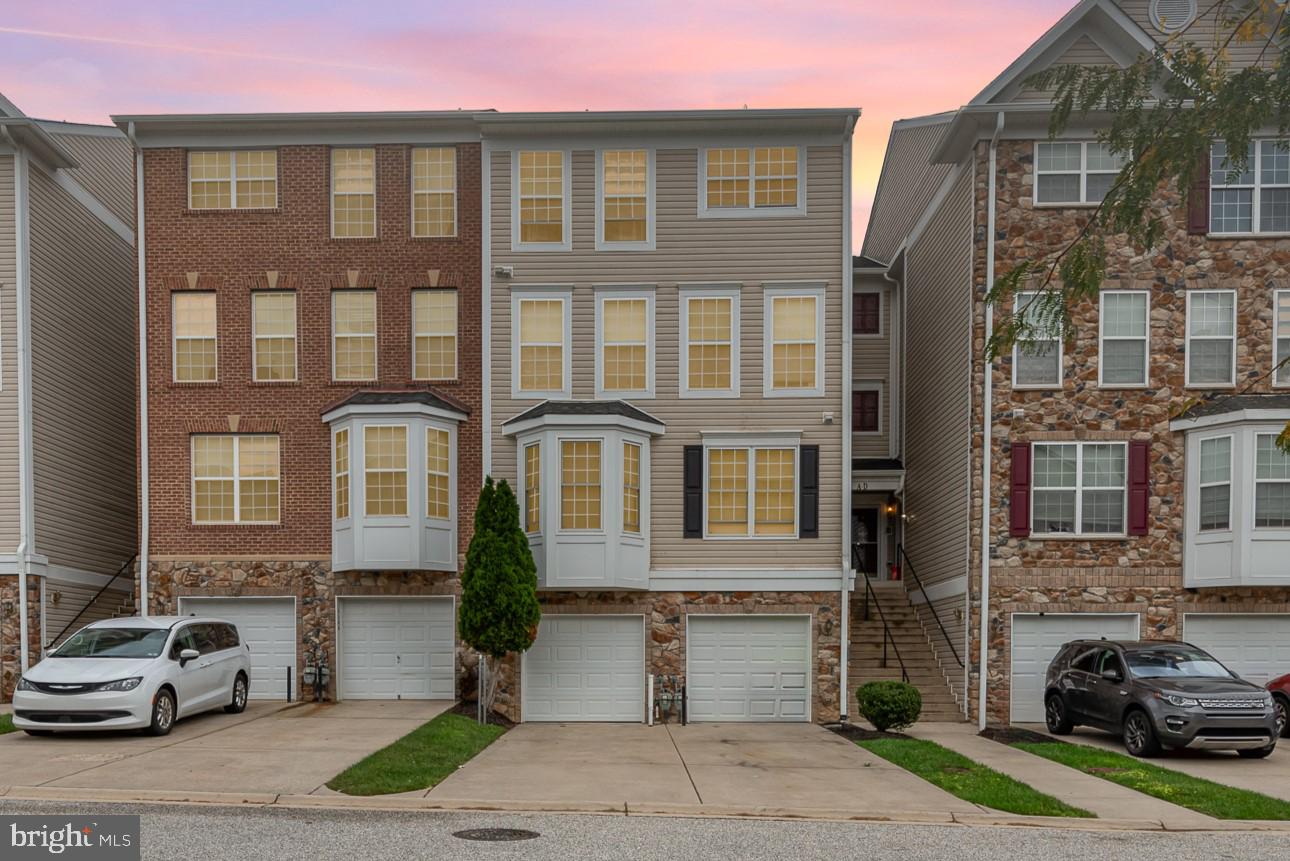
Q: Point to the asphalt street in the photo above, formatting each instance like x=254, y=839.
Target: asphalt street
x=192, y=832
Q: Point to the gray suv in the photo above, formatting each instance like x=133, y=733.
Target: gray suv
x=1157, y=696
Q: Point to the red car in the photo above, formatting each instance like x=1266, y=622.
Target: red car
x=1281, y=698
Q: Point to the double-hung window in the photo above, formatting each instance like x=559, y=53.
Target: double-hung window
x=866, y=313
x=710, y=346
x=235, y=478
x=580, y=485
x=273, y=324
x=1211, y=338
x=794, y=342
x=1281, y=313
x=625, y=356
x=1037, y=354
x=866, y=410
x=1271, y=484
x=340, y=473
x=1079, y=488
x=233, y=179
x=195, y=346
x=540, y=345
x=1216, y=484
x=747, y=180
x=353, y=319
x=353, y=193
x=626, y=200
x=438, y=474
x=1253, y=200
x=632, y=488
x=1123, y=333
x=434, y=334
x=541, y=200
x=751, y=491
x=434, y=192
x=533, y=487
x=385, y=470
x=1074, y=173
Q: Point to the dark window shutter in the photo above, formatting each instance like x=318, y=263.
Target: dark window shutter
x=692, y=520
x=808, y=493
x=1139, y=486
x=1198, y=201
x=1019, y=498
x=864, y=411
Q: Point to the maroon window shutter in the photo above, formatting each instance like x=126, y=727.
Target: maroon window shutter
x=1139, y=486
x=1019, y=499
x=1198, y=202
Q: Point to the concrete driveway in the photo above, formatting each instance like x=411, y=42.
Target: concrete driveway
x=271, y=747
x=744, y=766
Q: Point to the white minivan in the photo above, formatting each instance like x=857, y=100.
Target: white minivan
x=135, y=674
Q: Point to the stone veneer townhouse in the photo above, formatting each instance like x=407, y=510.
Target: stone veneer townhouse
x=312, y=412
x=66, y=329
x=1056, y=492
x=667, y=358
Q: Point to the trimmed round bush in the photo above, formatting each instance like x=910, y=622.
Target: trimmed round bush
x=889, y=705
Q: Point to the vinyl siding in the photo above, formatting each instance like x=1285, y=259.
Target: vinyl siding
x=750, y=252
x=1082, y=52
x=82, y=384
x=871, y=363
x=938, y=436
x=63, y=601
x=106, y=169
x=8, y=362
x=1207, y=32
x=908, y=183
x=952, y=615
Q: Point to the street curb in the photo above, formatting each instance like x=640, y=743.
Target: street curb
x=61, y=793
x=1074, y=823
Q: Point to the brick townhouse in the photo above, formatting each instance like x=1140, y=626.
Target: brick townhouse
x=312, y=413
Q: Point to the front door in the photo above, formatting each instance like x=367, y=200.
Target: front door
x=866, y=541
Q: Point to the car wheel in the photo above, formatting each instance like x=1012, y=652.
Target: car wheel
x=1258, y=753
x=163, y=713
x=1282, y=707
x=1139, y=735
x=237, y=704
x=1056, y=716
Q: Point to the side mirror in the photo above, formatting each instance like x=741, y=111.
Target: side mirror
x=188, y=655
x=1111, y=674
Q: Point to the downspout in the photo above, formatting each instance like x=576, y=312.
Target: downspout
x=143, y=374
x=987, y=425
x=848, y=286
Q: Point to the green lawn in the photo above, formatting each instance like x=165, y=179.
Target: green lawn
x=1203, y=796
x=420, y=759
x=6, y=723
x=967, y=779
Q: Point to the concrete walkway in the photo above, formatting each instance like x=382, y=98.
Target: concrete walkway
x=1106, y=799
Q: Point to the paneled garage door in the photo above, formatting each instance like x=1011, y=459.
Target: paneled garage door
x=586, y=668
x=268, y=626
x=396, y=649
x=1037, y=639
x=748, y=668
x=1254, y=646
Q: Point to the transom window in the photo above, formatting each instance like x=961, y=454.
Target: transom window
x=195, y=347
x=794, y=355
x=541, y=198
x=533, y=487
x=1079, y=488
x=624, y=347
x=625, y=201
x=1271, y=484
x=541, y=345
x=1211, y=338
x=1036, y=357
x=235, y=478
x=711, y=348
x=580, y=484
x=385, y=467
x=1253, y=200
x=434, y=334
x=1216, y=484
x=274, y=334
x=1074, y=172
x=1123, y=334
x=434, y=192
x=760, y=480
x=353, y=335
x=752, y=178
x=233, y=179
x=341, y=478
x=353, y=193
x=631, y=488
x=438, y=465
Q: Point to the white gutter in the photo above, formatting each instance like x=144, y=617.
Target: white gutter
x=987, y=425
x=143, y=375
x=486, y=312
x=848, y=286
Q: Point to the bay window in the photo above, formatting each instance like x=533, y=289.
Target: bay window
x=580, y=487
x=1216, y=484
x=385, y=470
x=1271, y=484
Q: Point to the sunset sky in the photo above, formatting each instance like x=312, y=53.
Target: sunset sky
x=82, y=61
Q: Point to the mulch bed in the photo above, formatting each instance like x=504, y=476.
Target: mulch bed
x=1012, y=735
x=470, y=709
x=859, y=733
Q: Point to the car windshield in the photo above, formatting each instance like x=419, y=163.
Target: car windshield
x=1175, y=662
x=114, y=643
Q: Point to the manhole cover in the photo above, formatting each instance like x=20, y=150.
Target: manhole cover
x=496, y=834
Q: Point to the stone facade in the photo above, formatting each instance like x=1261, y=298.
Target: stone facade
x=11, y=631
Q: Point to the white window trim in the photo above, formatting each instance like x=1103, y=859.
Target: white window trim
x=752, y=446
x=348, y=473
x=408, y=496
x=1084, y=174
x=175, y=338
x=376, y=333
x=1277, y=335
x=1255, y=481
x=566, y=230
x=649, y=243
x=602, y=441
x=456, y=335
x=870, y=386
x=1230, y=483
x=1231, y=383
x=525, y=488
x=770, y=294
x=233, y=178
x=295, y=336
x=1102, y=338
x=882, y=310
x=708, y=291
x=640, y=490
x=427, y=472
x=237, y=481
x=1079, y=533
x=1020, y=300
x=331, y=186
x=647, y=294
x=1256, y=168
x=412, y=196
x=564, y=295
x=752, y=210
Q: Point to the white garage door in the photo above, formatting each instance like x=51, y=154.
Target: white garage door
x=1255, y=646
x=1036, y=640
x=748, y=668
x=268, y=626
x=397, y=649
x=586, y=668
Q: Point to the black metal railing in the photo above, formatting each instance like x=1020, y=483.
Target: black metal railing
x=90, y=603
x=906, y=564
x=887, y=635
